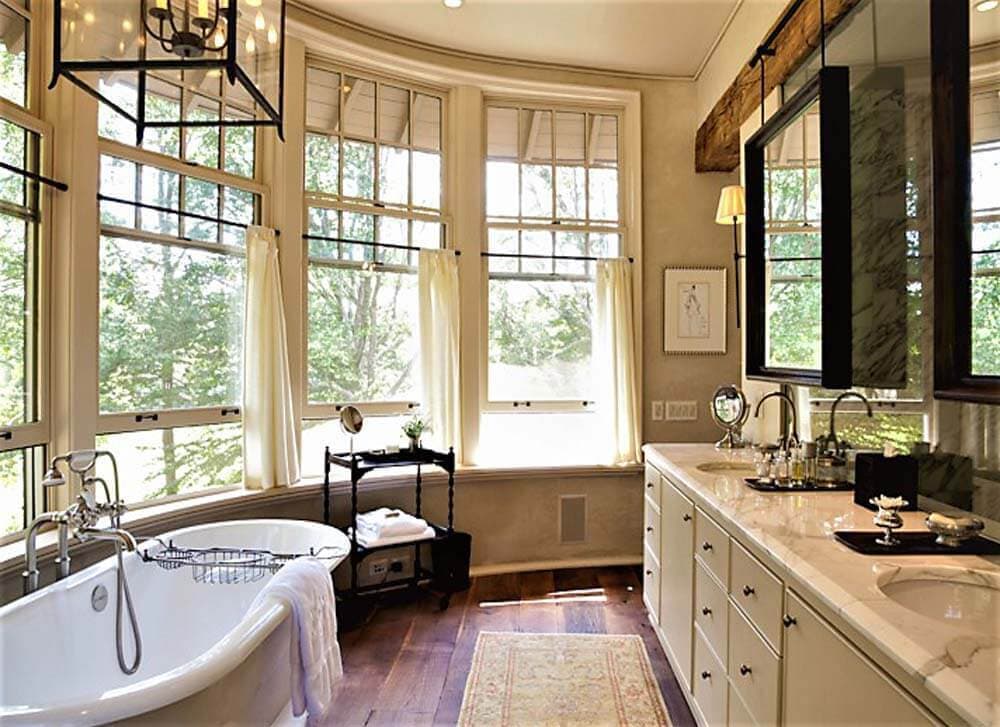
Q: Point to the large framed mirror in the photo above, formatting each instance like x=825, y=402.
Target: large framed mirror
x=965, y=58
x=798, y=238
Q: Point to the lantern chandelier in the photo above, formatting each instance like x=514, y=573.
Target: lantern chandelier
x=116, y=49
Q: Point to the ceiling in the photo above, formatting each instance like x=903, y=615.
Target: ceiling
x=658, y=37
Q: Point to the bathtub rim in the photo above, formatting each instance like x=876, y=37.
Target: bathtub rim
x=160, y=690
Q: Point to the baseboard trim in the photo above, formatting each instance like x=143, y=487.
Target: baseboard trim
x=532, y=565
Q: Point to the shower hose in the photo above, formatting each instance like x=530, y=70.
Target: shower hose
x=125, y=598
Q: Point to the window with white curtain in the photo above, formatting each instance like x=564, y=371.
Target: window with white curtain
x=553, y=193
x=374, y=176
x=24, y=433
x=173, y=215
x=986, y=231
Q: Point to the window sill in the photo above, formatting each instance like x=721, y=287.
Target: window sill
x=177, y=512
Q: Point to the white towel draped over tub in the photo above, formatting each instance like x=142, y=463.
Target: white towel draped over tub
x=305, y=585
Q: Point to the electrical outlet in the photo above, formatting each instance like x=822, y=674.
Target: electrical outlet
x=682, y=411
x=378, y=567
x=657, y=413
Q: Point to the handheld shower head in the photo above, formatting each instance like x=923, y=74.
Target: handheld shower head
x=53, y=477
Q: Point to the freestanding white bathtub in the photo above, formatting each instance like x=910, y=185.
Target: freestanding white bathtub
x=207, y=658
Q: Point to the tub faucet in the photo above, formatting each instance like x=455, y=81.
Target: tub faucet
x=117, y=535
x=791, y=439
x=79, y=519
x=829, y=442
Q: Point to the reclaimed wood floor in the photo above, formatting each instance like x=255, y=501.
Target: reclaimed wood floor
x=407, y=664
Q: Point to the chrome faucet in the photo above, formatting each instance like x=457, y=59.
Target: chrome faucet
x=791, y=439
x=80, y=519
x=829, y=442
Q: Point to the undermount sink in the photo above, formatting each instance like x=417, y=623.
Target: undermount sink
x=965, y=599
x=723, y=467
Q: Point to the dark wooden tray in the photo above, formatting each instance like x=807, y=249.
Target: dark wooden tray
x=769, y=486
x=913, y=543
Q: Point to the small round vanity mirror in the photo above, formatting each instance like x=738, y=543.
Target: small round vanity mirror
x=351, y=419
x=730, y=411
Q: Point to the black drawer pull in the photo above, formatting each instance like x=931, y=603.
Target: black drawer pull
x=745, y=670
x=748, y=591
x=648, y=573
x=649, y=485
x=706, y=546
x=687, y=518
x=788, y=620
x=649, y=528
x=706, y=611
x=146, y=418
x=706, y=675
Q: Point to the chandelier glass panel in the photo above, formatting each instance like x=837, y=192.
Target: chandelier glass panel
x=121, y=50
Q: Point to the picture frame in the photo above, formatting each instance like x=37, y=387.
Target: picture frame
x=695, y=310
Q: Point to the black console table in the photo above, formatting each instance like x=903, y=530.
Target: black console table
x=360, y=464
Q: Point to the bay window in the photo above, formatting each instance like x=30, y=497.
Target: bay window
x=553, y=205
x=24, y=432
x=173, y=218
x=373, y=196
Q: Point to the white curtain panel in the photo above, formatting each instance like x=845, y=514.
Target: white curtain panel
x=437, y=277
x=270, y=450
x=614, y=358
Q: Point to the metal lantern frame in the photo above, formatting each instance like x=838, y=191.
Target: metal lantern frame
x=227, y=62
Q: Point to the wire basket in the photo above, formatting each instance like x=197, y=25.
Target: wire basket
x=224, y=565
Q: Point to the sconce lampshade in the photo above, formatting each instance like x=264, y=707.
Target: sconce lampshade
x=732, y=203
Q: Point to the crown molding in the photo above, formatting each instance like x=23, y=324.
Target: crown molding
x=302, y=7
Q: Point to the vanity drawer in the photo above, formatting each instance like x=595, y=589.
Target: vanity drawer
x=651, y=485
x=711, y=610
x=758, y=592
x=710, y=686
x=651, y=583
x=739, y=716
x=651, y=529
x=754, y=670
x=711, y=545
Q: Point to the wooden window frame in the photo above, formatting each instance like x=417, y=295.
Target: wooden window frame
x=952, y=155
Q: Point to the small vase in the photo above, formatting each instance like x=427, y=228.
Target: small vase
x=414, y=443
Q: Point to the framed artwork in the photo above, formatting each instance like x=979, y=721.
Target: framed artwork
x=694, y=310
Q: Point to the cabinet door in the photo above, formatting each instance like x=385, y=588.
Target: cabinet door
x=677, y=576
x=828, y=681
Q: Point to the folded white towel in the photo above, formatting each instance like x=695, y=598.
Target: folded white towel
x=370, y=541
x=305, y=584
x=389, y=523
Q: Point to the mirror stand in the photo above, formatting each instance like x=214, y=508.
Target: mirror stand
x=730, y=411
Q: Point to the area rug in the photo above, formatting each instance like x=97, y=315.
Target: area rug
x=568, y=680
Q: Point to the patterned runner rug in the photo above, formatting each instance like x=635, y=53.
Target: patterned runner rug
x=569, y=680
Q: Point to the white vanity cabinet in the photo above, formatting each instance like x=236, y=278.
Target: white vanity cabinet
x=827, y=680
x=677, y=577
x=651, y=544
x=746, y=648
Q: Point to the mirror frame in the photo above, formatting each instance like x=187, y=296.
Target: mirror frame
x=831, y=86
x=952, y=198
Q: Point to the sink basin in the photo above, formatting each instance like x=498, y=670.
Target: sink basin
x=968, y=600
x=725, y=467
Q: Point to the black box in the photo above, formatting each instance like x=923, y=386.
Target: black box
x=451, y=556
x=876, y=474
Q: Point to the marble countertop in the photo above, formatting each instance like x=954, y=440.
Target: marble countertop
x=960, y=668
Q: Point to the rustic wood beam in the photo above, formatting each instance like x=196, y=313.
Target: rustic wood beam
x=717, y=146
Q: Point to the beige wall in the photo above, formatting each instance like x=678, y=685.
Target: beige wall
x=514, y=520
x=678, y=216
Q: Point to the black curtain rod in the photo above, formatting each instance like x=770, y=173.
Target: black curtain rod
x=171, y=211
x=61, y=186
x=547, y=257
x=765, y=49
x=370, y=243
